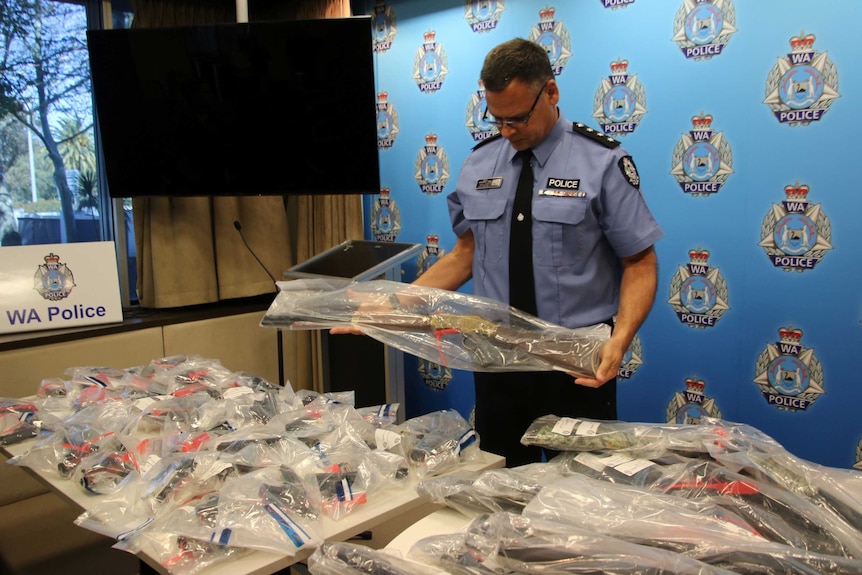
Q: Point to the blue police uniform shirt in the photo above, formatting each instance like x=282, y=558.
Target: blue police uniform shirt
x=587, y=213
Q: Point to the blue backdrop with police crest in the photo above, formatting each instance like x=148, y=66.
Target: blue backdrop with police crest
x=741, y=117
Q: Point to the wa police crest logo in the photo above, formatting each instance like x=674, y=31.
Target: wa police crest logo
x=483, y=15
x=632, y=359
x=434, y=375
x=554, y=38
x=801, y=87
x=429, y=255
x=692, y=405
x=387, y=122
x=702, y=160
x=383, y=22
x=796, y=234
x=616, y=4
x=432, y=167
x=789, y=376
x=430, y=65
x=620, y=102
x=702, y=28
x=385, y=219
x=53, y=280
x=698, y=292
x=477, y=116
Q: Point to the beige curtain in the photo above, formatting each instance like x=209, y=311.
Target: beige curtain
x=189, y=251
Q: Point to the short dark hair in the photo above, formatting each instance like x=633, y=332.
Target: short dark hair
x=517, y=58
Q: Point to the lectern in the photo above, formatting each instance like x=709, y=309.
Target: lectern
x=356, y=362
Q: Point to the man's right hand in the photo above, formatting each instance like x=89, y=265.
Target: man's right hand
x=353, y=330
x=368, y=303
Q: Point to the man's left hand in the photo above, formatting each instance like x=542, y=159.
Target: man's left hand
x=611, y=359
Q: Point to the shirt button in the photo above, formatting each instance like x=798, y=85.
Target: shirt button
x=520, y=217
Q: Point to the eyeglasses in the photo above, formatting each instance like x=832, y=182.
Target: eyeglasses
x=517, y=121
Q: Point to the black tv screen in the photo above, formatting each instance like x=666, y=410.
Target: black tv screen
x=261, y=108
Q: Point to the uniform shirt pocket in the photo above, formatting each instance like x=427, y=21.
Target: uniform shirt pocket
x=485, y=212
x=558, y=224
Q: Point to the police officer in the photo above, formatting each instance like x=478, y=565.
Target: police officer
x=592, y=243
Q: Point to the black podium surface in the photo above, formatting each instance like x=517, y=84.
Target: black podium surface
x=359, y=260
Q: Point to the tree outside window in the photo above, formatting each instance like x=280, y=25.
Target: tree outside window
x=47, y=155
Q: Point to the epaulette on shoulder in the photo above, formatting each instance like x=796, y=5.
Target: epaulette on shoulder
x=599, y=137
x=496, y=136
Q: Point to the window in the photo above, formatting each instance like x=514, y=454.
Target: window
x=51, y=187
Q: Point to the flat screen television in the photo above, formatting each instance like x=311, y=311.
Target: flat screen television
x=260, y=108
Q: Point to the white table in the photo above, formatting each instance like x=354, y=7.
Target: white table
x=390, y=505
x=442, y=521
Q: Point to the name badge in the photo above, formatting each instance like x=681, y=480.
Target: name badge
x=489, y=183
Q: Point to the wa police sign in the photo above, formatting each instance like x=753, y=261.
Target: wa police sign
x=57, y=286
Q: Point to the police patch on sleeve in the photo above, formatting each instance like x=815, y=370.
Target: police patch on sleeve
x=630, y=172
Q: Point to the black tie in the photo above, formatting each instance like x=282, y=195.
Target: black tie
x=522, y=287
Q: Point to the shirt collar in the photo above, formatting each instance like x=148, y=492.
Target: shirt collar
x=543, y=151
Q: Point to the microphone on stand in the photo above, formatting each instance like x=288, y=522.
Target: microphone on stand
x=238, y=227
x=279, y=343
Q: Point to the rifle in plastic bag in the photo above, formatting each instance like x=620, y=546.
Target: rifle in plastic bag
x=452, y=329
